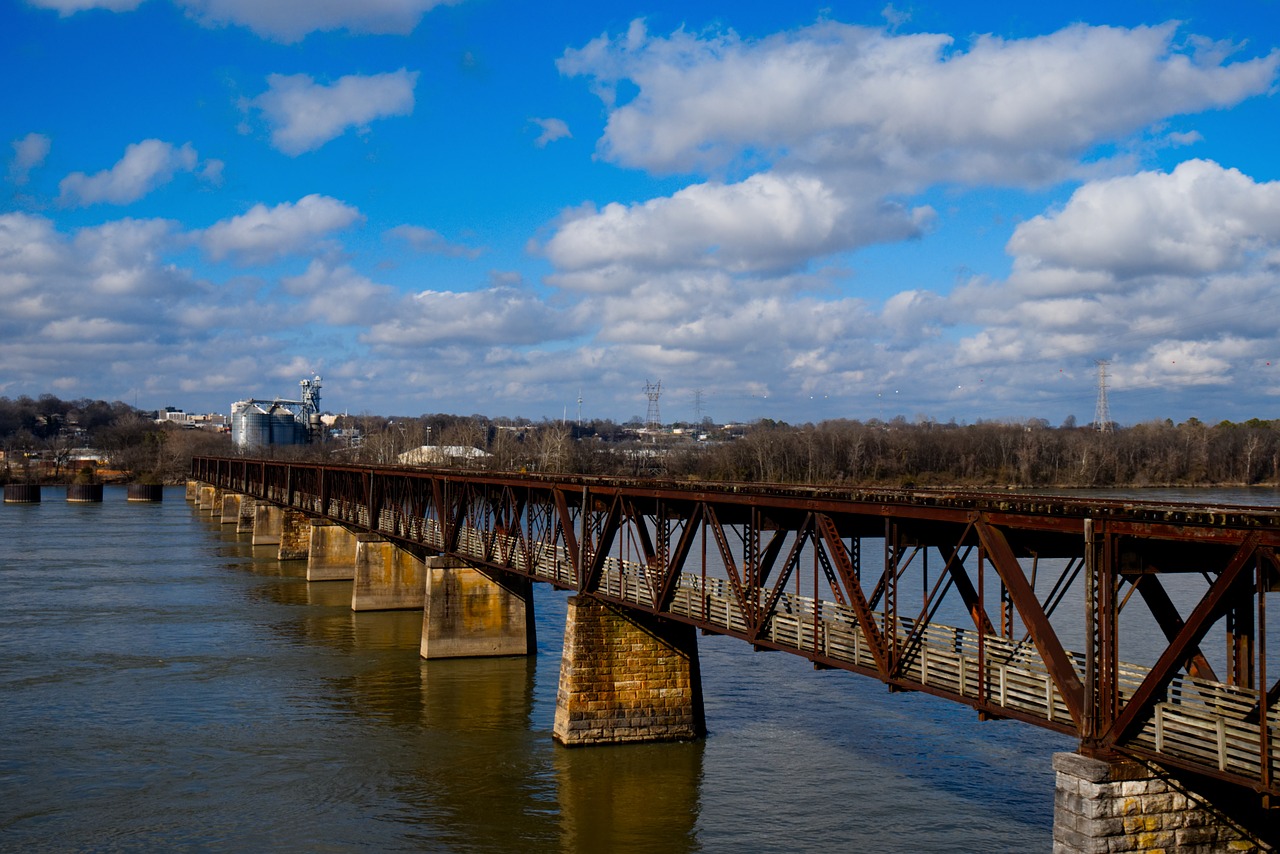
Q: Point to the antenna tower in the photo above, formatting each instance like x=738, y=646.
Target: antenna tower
x=697, y=406
x=1102, y=413
x=579, y=407
x=653, y=391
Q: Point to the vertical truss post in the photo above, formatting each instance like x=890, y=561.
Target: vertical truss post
x=1240, y=634
x=1264, y=740
x=892, y=555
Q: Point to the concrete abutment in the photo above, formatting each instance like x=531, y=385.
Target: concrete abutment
x=626, y=676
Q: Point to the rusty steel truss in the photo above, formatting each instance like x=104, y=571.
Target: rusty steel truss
x=1139, y=628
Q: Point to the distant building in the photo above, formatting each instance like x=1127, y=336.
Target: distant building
x=434, y=455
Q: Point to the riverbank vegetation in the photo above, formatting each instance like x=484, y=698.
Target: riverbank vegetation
x=893, y=453
x=43, y=439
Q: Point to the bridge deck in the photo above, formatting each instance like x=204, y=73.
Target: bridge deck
x=633, y=543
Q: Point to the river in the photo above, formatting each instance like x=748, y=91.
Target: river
x=164, y=685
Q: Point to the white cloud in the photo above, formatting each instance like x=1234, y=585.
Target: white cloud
x=914, y=106
x=70, y=7
x=769, y=221
x=496, y=316
x=432, y=242
x=145, y=166
x=552, y=129
x=304, y=115
x=1199, y=219
x=291, y=20
x=28, y=153
x=261, y=233
x=339, y=295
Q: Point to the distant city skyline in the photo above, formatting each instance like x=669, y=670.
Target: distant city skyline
x=786, y=211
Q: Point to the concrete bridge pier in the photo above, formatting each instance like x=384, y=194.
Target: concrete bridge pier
x=207, y=495
x=1120, y=805
x=267, y=522
x=231, y=507
x=625, y=677
x=387, y=578
x=467, y=614
x=193, y=490
x=331, y=552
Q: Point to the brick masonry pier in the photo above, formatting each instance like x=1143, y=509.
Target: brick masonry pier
x=1106, y=806
x=626, y=677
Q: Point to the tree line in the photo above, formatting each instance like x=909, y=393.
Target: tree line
x=896, y=453
x=843, y=451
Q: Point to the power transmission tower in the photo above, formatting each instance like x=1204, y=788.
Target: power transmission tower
x=653, y=420
x=1102, y=413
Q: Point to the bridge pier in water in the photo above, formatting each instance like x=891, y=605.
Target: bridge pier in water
x=1119, y=805
x=331, y=552
x=295, y=536
x=267, y=522
x=629, y=669
x=467, y=614
x=626, y=676
x=231, y=507
x=387, y=578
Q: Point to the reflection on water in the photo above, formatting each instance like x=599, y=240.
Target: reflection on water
x=642, y=797
x=164, y=684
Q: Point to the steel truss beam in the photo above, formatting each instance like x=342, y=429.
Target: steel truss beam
x=636, y=543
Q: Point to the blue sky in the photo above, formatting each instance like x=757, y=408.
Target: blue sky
x=801, y=211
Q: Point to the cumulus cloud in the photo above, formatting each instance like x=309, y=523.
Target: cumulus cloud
x=1009, y=111
x=28, y=153
x=552, y=129
x=429, y=241
x=769, y=221
x=1171, y=275
x=145, y=166
x=1198, y=219
x=339, y=295
x=304, y=115
x=500, y=315
x=262, y=233
x=291, y=20
x=70, y=7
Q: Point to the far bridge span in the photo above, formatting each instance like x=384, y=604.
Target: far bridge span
x=1139, y=628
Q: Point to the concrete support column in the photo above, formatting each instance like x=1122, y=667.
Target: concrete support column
x=231, y=507
x=193, y=490
x=1102, y=806
x=331, y=552
x=626, y=676
x=205, y=501
x=386, y=578
x=466, y=614
x=248, y=513
x=215, y=503
x=295, y=535
x=267, y=522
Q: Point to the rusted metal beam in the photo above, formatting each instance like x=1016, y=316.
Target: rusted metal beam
x=1193, y=631
x=844, y=567
x=1055, y=658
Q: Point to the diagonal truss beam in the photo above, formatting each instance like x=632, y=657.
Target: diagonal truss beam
x=1204, y=615
x=866, y=619
x=1055, y=658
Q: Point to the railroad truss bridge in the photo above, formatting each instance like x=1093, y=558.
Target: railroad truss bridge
x=1139, y=628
